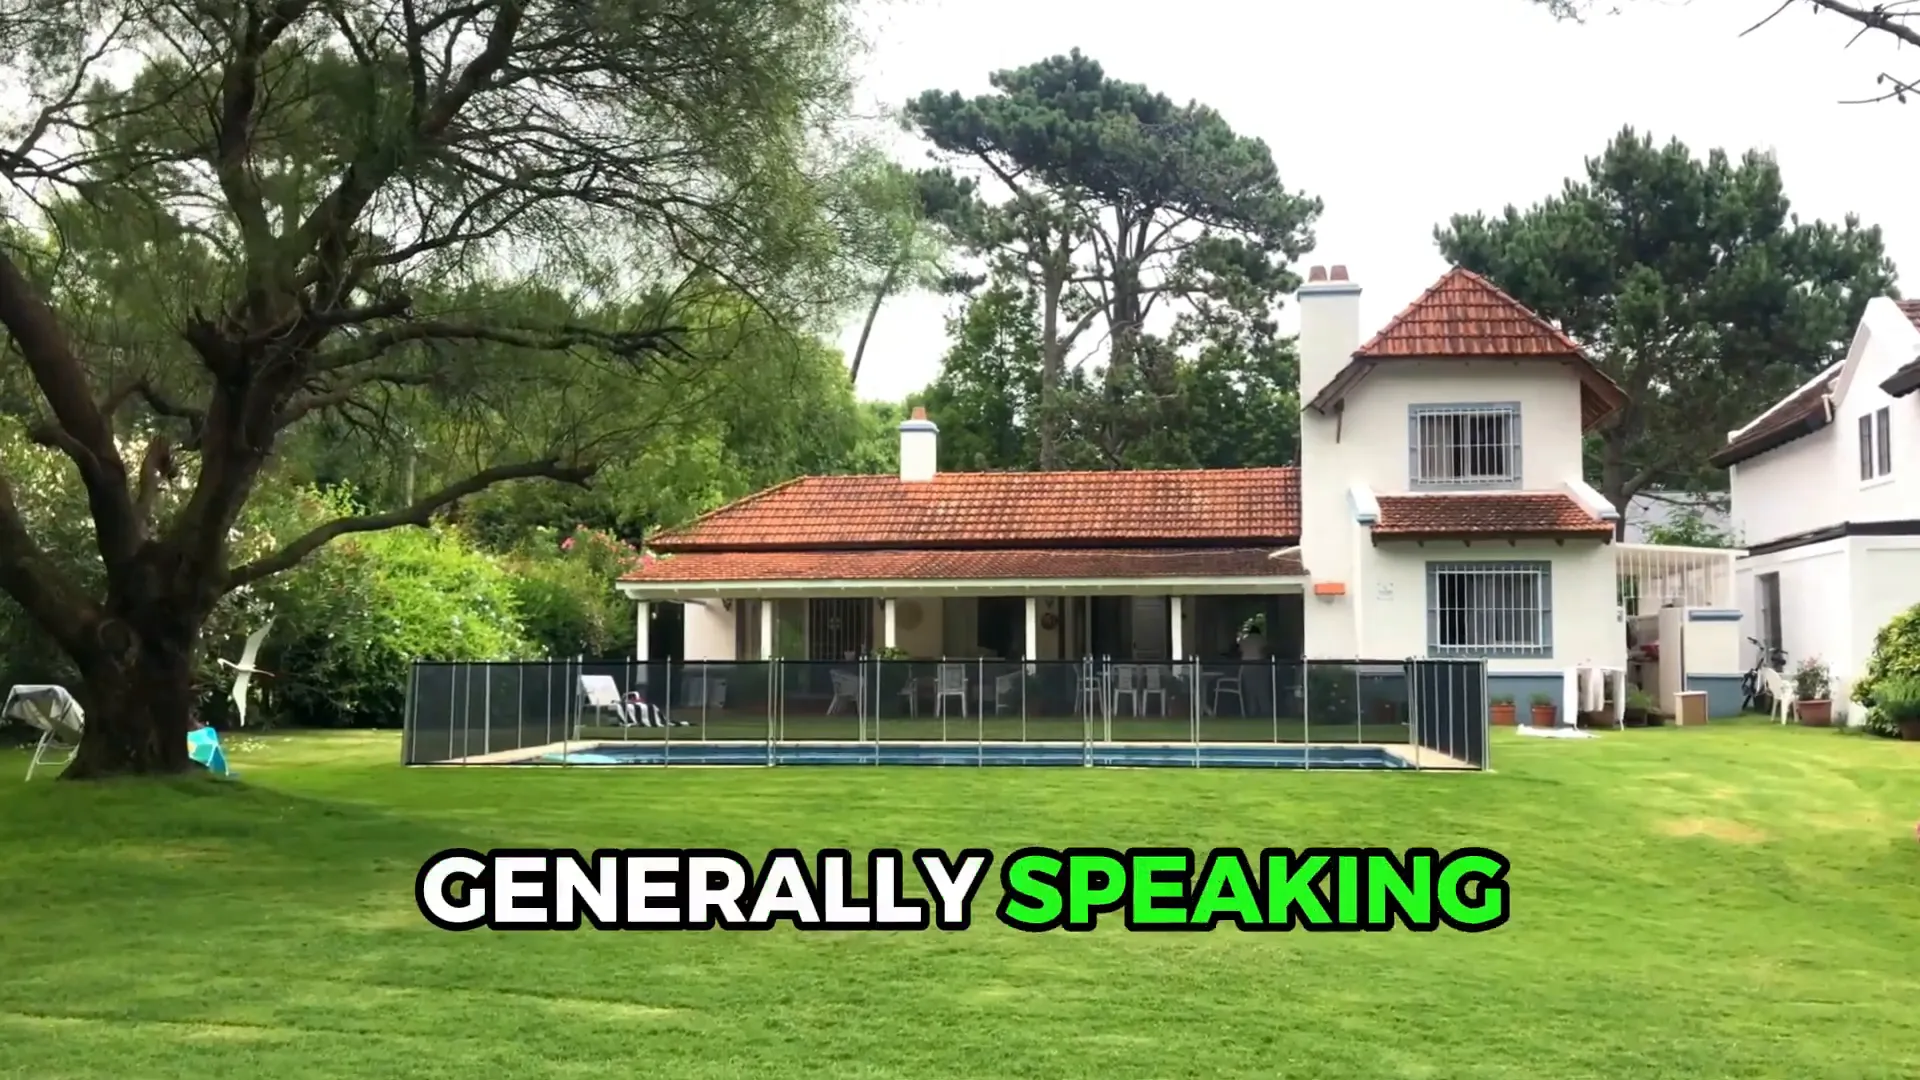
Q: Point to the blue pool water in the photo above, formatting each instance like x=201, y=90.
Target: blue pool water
x=912, y=753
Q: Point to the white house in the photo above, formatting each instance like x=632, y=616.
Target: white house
x=1826, y=495
x=1438, y=510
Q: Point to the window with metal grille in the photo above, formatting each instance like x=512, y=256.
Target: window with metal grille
x=1876, y=444
x=1464, y=446
x=1490, y=609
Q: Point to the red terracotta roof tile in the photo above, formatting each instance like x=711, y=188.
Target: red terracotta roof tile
x=1801, y=413
x=1516, y=514
x=1463, y=316
x=1189, y=507
x=732, y=566
x=1911, y=309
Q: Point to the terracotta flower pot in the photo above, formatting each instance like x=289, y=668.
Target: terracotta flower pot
x=1815, y=713
x=1503, y=715
x=1910, y=730
x=1544, y=715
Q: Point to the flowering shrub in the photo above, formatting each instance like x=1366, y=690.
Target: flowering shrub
x=566, y=592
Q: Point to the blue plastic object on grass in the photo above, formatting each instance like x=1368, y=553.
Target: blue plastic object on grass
x=203, y=746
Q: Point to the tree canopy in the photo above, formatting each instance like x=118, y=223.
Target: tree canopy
x=1691, y=282
x=537, y=227
x=1109, y=203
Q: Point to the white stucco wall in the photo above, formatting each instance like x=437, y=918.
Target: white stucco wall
x=1815, y=603
x=1789, y=490
x=1885, y=582
x=1391, y=601
x=709, y=630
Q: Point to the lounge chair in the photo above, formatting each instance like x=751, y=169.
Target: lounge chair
x=58, y=717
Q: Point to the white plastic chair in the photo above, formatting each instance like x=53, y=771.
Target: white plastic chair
x=1155, y=688
x=846, y=690
x=950, y=682
x=1006, y=692
x=1124, y=689
x=1224, y=686
x=1785, y=701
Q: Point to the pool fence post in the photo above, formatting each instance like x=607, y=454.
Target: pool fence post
x=1486, y=721
x=1193, y=729
x=407, y=717
x=1359, y=710
x=486, y=710
x=980, y=710
x=520, y=704
x=1276, y=696
x=1416, y=705
x=1306, y=715
x=1086, y=717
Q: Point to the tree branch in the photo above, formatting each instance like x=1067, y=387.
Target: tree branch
x=419, y=514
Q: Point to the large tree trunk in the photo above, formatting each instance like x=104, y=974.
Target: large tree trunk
x=138, y=693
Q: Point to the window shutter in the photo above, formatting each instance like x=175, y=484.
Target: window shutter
x=1546, y=608
x=1866, y=448
x=1516, y=446
x=1884, y=419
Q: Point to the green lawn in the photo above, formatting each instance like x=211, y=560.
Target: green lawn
x=1731, y=901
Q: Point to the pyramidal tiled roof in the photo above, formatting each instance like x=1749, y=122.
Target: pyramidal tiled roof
x=1462, y=315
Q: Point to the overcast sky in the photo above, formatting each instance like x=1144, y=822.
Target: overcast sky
x=1399, y=113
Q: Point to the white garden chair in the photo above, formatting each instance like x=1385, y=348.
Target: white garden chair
x=950, y=681
x=1780, y=689
x=59, y=718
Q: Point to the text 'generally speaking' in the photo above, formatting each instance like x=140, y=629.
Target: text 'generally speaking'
x=1150, y=889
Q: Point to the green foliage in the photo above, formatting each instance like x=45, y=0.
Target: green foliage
x=1689, y=527
x=1897, y=701
x=1541, y=701
x=565, y=593
x=373, y=604
x=1895, y=660
x=1233, y=403
x=1689, y=282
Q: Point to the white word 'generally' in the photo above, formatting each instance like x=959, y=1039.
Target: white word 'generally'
x=693, y=889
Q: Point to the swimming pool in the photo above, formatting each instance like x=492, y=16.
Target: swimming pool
x=1110, y=755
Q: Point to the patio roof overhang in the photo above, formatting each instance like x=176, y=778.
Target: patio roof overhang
x=706, y=575
x=1138, y=586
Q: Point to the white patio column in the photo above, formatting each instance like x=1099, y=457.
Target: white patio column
x=1176, y=644
x=640, y=641
x=889, y=623
x=1033, y=628
x=766, y=629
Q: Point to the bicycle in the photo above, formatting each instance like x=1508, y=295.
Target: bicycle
x=1754, y=697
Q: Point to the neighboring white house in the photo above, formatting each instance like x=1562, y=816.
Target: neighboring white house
x=1826, y=493
x=1438, y=510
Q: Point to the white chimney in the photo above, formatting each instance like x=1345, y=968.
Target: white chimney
x=1329, y=327
x=919, y=446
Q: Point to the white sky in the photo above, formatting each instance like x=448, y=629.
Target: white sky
x=1399, y=113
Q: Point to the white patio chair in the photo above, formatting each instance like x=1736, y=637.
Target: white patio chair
x=1155, y=688
x=950, y=682
x=1224, y=686
x=1785, y=701
x=846, y=690
x=1125, y=688
x=1006, y=692
x=601, y=694
x=58, y=717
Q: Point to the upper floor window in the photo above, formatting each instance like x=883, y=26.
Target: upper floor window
x=1464, y=446
x=1876, y=444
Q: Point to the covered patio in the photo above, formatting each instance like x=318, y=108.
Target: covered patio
x=1077, y=632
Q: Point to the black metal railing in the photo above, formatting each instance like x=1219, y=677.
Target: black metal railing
x=1432, y=711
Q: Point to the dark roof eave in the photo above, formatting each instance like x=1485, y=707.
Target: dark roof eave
x=1747, y=449
x=1903, y=382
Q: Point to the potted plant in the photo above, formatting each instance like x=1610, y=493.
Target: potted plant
x=1811, y=681
x=1896, y=704
x=1501, y=711
x=1544, y=713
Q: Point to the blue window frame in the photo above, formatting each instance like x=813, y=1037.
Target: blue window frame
x=1490, y=608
